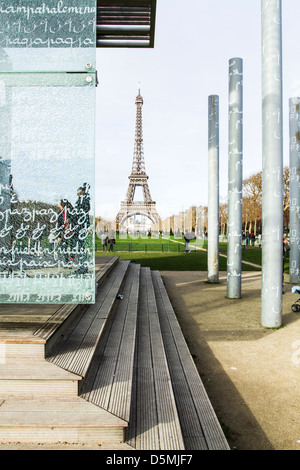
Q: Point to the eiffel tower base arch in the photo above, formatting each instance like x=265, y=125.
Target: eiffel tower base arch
x=127, y=211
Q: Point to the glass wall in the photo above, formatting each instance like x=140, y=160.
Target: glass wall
x=47, y=122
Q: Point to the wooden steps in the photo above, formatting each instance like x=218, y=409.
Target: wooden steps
x=110, y=379
x=65, y=315
x=54, y=419
x=74, y=350
x=35, y=378
x=154, y=422
x=39, y=401
x=200, y=427
x=123, y=363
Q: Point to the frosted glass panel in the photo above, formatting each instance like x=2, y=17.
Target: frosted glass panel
x=47, y=121
x=46, y=220
x=56, y=35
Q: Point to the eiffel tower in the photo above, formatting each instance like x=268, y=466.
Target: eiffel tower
x=137, y=178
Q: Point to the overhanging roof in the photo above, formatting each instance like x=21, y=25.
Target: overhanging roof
x=126, y=23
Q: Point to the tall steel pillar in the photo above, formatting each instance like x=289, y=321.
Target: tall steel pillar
x=235, y=179
x=272, y=167
x=213, y=189
x=294, y=128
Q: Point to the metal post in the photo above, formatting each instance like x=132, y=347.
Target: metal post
x=272, y=168
x=294, y=114
x=235, y=179
x=213, y=189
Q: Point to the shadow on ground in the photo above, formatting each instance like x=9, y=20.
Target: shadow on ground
x=246, y=369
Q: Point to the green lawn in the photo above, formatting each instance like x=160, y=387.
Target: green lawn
x=146, y=245
x=169, y=255
x=249, y=253
x=164, y=261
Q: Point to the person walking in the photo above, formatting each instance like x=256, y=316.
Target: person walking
x=259, y=240
x=104, y=239
x=81, y=223
x=186, y=242
x=65, y=229
x=111, y=242
x=285, y=248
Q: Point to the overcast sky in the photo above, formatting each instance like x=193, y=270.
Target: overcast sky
x=194, y=42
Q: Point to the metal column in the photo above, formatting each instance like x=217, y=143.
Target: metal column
x=272, y=168
x=294, y=127
x=213, y=189
x=235, y=179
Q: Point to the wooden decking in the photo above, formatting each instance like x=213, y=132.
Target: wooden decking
x=199, y=425
x=154, y=422
x=108, y=383
x=124, y=357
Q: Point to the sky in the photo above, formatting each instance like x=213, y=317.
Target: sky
x=194, y=41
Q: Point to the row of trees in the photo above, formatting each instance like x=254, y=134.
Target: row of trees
x=195, y=218
x=252, y=204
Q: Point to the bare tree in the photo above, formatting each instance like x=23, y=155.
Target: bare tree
x=252, y=196
x=286, y=196
x=223, y=217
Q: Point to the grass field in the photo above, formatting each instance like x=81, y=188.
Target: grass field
x=169, y=254
x=165, y=261
x=147, y=245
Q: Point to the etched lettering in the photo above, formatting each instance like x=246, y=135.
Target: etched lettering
x=41, y=25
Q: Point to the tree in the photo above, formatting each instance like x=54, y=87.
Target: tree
x=286, y=196
x=252, y=199
x=223, y=217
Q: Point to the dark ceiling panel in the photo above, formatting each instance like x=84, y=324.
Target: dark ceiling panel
x=127, y=23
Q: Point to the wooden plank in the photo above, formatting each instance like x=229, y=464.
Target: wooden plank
x=52, y=323
x=121, y=390
x=170, y=432
x=147, y=435
x=81, y=342
x=157, y=425
x=103, y=268
x=143, y=432
x=75, y=350
x=109, y=383
x=200, y=427
x=52, y=419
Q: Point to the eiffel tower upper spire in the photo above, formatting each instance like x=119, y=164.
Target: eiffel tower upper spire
x=138, y=176
x=138, y=164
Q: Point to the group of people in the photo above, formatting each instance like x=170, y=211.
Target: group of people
x=108, y=240
x=73, y=224
x=252, y=238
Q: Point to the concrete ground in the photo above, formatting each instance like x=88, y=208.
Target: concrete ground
x=251, y=373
